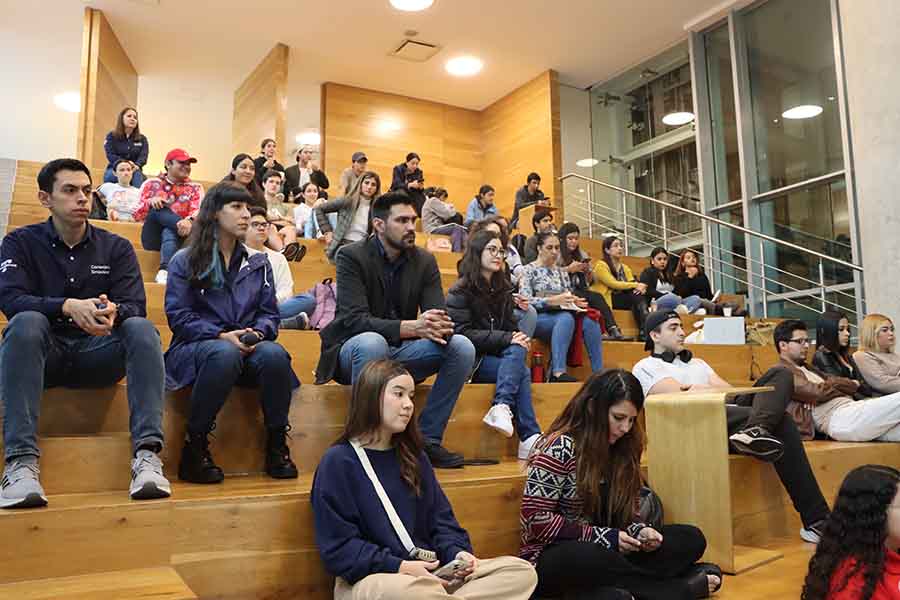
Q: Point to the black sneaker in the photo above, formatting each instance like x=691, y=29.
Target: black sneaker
x=197, y=464
x=562, y=378
x=813, y=533
x=278, y=456
x=757, y=442
x=615, y=334
x=441, y=458
x=300, y=321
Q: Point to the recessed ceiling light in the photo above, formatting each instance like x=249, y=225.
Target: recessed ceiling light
x=464, y=66
x=676, y=119
x=804, y=111
x=411, y=5
x=580, y=190
x=586, y=162
x=831, y=98
x=68, y=101
x=308, y=138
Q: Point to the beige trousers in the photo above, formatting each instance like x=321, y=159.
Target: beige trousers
x=503, y=578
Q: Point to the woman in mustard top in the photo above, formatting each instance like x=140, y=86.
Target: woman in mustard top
x=615, y=281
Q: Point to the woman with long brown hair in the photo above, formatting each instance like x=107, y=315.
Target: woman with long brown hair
x=580, y=524
x=126, y=142
x=378, y=462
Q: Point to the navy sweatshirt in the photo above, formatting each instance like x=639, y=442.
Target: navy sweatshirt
x=353, y=533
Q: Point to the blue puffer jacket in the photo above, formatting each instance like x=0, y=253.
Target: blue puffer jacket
x=133, y=149
x=197, y=315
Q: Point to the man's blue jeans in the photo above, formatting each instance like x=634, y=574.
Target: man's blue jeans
x=452, y=362
x=296, y=305
x=160, y=233
x=34, y=357
x=513, y=379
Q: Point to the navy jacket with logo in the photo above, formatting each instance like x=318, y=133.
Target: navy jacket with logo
x=38, y=272
x=133, y=149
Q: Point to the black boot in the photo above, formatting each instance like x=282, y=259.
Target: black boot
x=278, y=456
x=197, y=464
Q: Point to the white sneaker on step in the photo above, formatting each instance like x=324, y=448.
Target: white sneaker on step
x=526, y=446
x=161, y=276
x=500, y=418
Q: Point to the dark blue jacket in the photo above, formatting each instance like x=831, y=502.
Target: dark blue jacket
x=246, y=300
x=353, y=533
x=135, y=150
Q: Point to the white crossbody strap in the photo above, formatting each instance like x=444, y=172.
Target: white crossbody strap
x=382, y=495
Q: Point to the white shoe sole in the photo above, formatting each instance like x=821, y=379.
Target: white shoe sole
x=808, y=536
x=30, y=501
x=498, y=428
x=150, y=491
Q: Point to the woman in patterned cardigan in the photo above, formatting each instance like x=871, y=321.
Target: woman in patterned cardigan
x=579, y=519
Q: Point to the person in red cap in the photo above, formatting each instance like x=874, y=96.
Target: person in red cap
x=169, y=204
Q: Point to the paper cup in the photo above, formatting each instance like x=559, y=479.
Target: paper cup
x=726, y=310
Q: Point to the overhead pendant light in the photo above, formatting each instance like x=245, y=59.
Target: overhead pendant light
x=68, y=101
x=801, y=100
x=586, y=162
x=804, y=111
x=677, y=119
x=464, y=66
x=411, y=5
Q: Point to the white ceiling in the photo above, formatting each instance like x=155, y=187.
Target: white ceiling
x=347, y=41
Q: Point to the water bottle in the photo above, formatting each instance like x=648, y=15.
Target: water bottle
x=537, y=367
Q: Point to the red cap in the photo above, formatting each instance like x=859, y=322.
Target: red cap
x=180, y=155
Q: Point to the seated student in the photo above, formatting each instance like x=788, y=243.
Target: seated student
x=548, y=289
x=577, y=264
x=878, y=363
x=371, y=556
x=542, y=222
x=243, y=171
x=832, y=355
x=353, y=223
x=408, y=177
x=305, y=170
x=859, y=555
x=126, y=142
x=482, y=205
x=579, y=524
x=122, y=199
x=482, y=309
x=168, y=206
x=281, y=218
x=758, y=427
x=660, y=284
x=223, y=314
x=383, y=282
x=357, y=167
x=266, y=162
x=294, y=310
x=528, y=195
x=826, y=403
x=75, y=302
x=441, y=217
x=614, y=280
x=690, y=280
x=513, y=258
x=304, y=214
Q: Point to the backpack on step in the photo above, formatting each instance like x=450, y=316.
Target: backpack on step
x=325, y=294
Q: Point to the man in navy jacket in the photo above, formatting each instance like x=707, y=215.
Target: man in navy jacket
x=75, y=301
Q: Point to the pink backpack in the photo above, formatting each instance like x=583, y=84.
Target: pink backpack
x=326, y=304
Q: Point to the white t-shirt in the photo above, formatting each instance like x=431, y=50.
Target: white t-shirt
x=359, y=228
x=664, y=287
x=121, y=202
x=302, y=213
x=650, y=371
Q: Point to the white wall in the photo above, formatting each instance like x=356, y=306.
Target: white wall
x=575, y=138
x=304, y=106
x=39, y=60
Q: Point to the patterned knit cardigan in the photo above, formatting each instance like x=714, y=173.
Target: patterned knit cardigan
x=551, y=508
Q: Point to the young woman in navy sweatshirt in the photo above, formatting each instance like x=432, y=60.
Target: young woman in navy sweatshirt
x=356, y=540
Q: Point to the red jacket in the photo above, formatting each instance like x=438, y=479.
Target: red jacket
x=887, y=589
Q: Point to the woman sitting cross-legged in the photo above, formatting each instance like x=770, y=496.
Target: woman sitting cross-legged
x=579, y=523
x=378, y=465
x=482, y=309
x=548, y=289
x=221, y=307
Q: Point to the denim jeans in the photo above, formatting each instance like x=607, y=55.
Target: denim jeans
x=513, y=379
x=557, y=328
x=296, y=305
x=527, y=320
x=311, y=227
x=452, y=363
x=221, y=366
x=670, y=301
x=160, y=233
x=33, y=357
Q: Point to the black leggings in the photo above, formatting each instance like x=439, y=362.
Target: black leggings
x=636, y=303
x=583, y=566
x=598, y=303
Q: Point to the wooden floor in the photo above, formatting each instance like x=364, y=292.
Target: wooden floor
x=780, y=580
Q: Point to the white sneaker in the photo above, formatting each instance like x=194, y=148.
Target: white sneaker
x=147, y=479
x=700, y=311
x=526, y=446
x=20, y=486
x=681, y=309
x=500, y=418
x=161, y=276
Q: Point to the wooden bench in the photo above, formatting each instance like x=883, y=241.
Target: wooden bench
x=160, y=583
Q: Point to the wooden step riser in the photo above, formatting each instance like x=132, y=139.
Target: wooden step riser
x=161, y=583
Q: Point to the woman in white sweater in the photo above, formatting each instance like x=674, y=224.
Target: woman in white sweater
x=876, y=359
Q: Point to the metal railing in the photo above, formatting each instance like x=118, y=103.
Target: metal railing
x=755, y=269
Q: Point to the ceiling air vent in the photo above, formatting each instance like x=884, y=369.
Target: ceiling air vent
x=415, y=51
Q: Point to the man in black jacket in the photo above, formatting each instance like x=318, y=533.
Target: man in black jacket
x=382, y=284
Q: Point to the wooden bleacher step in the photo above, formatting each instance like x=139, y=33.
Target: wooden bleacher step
x=161, y=583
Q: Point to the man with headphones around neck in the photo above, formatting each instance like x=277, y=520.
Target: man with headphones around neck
x=757, y=424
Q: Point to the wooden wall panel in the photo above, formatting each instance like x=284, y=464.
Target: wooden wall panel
x=387, y=127
x=260, y=106
x=108, y=84
x=520, y=134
